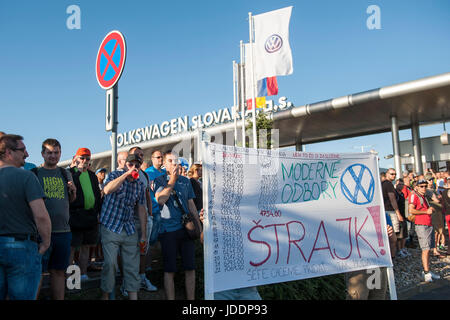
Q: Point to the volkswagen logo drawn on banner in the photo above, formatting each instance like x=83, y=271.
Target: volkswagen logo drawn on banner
x=358, y=184
x=273, y=43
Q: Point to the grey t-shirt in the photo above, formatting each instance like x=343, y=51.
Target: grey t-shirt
x=57, y=197
x=18, y=187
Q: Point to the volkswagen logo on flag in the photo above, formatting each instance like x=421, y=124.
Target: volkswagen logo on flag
x=273, y=43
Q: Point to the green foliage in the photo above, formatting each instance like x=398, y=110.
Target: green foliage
x=322, y=288
x=262, y=123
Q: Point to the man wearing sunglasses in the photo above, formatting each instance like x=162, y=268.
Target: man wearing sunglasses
x=419, y=206
x=156, y=169
x=391, y=205
x=154, y=172
x=123, y=192
x=23, y=216
x=85, y=210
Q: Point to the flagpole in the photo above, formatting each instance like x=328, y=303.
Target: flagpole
x=234, y=101
x=242, y=86
x=250, y=22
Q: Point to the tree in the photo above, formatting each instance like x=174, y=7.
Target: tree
x=263, y=126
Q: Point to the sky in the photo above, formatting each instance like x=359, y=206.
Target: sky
x=179, y=62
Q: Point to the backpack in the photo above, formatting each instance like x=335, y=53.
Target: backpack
x=62, y=170
x=400, y=198
x=412, y=217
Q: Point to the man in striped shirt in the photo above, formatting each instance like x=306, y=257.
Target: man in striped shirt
x=122, y=193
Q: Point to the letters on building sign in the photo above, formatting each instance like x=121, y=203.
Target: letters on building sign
x=184, y=124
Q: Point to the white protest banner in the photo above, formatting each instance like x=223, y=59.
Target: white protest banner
x=276, y=216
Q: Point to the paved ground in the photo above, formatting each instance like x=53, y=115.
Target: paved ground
x=437, y=290
x=90, y=289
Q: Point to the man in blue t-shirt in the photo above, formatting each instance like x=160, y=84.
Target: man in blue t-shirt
x=173, y=236
x=154, y=172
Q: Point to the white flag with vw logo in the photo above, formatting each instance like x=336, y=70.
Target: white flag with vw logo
x=272, y=51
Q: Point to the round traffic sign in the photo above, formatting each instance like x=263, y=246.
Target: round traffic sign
x=110, y=59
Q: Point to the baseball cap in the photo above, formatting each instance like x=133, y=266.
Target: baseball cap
x=83, y=152
x=100, y=170
x=134, y=157
x=422, y=181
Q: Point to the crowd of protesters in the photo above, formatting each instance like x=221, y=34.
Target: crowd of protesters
x=54, y=217
x=417, y=206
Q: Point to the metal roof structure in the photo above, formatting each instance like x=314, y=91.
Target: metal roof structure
x=423, y=101
x=418, y=102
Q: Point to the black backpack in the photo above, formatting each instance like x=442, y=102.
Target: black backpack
x=63, y=173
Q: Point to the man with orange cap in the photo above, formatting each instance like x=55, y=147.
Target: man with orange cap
x=84, y=211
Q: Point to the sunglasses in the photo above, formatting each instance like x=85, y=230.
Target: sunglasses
x=136, y=165
x=421, y=186
x=158, y=157
x=19, y=149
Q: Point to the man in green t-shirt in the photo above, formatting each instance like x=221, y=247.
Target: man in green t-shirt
x=84, y=211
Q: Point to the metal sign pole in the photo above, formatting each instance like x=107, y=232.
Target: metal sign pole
x=202, y=138
x=112, y=101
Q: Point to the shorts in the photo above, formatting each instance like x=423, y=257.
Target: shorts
x=395, y=221
x=437, y=220
x=425, y=236
x=58, y=254
x=85, y=237
x=174, y=243
x=403, y=230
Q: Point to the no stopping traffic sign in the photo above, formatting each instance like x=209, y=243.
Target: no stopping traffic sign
x=110, y=59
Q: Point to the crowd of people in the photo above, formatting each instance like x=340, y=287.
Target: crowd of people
x=53, y=217
x=416, y=207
